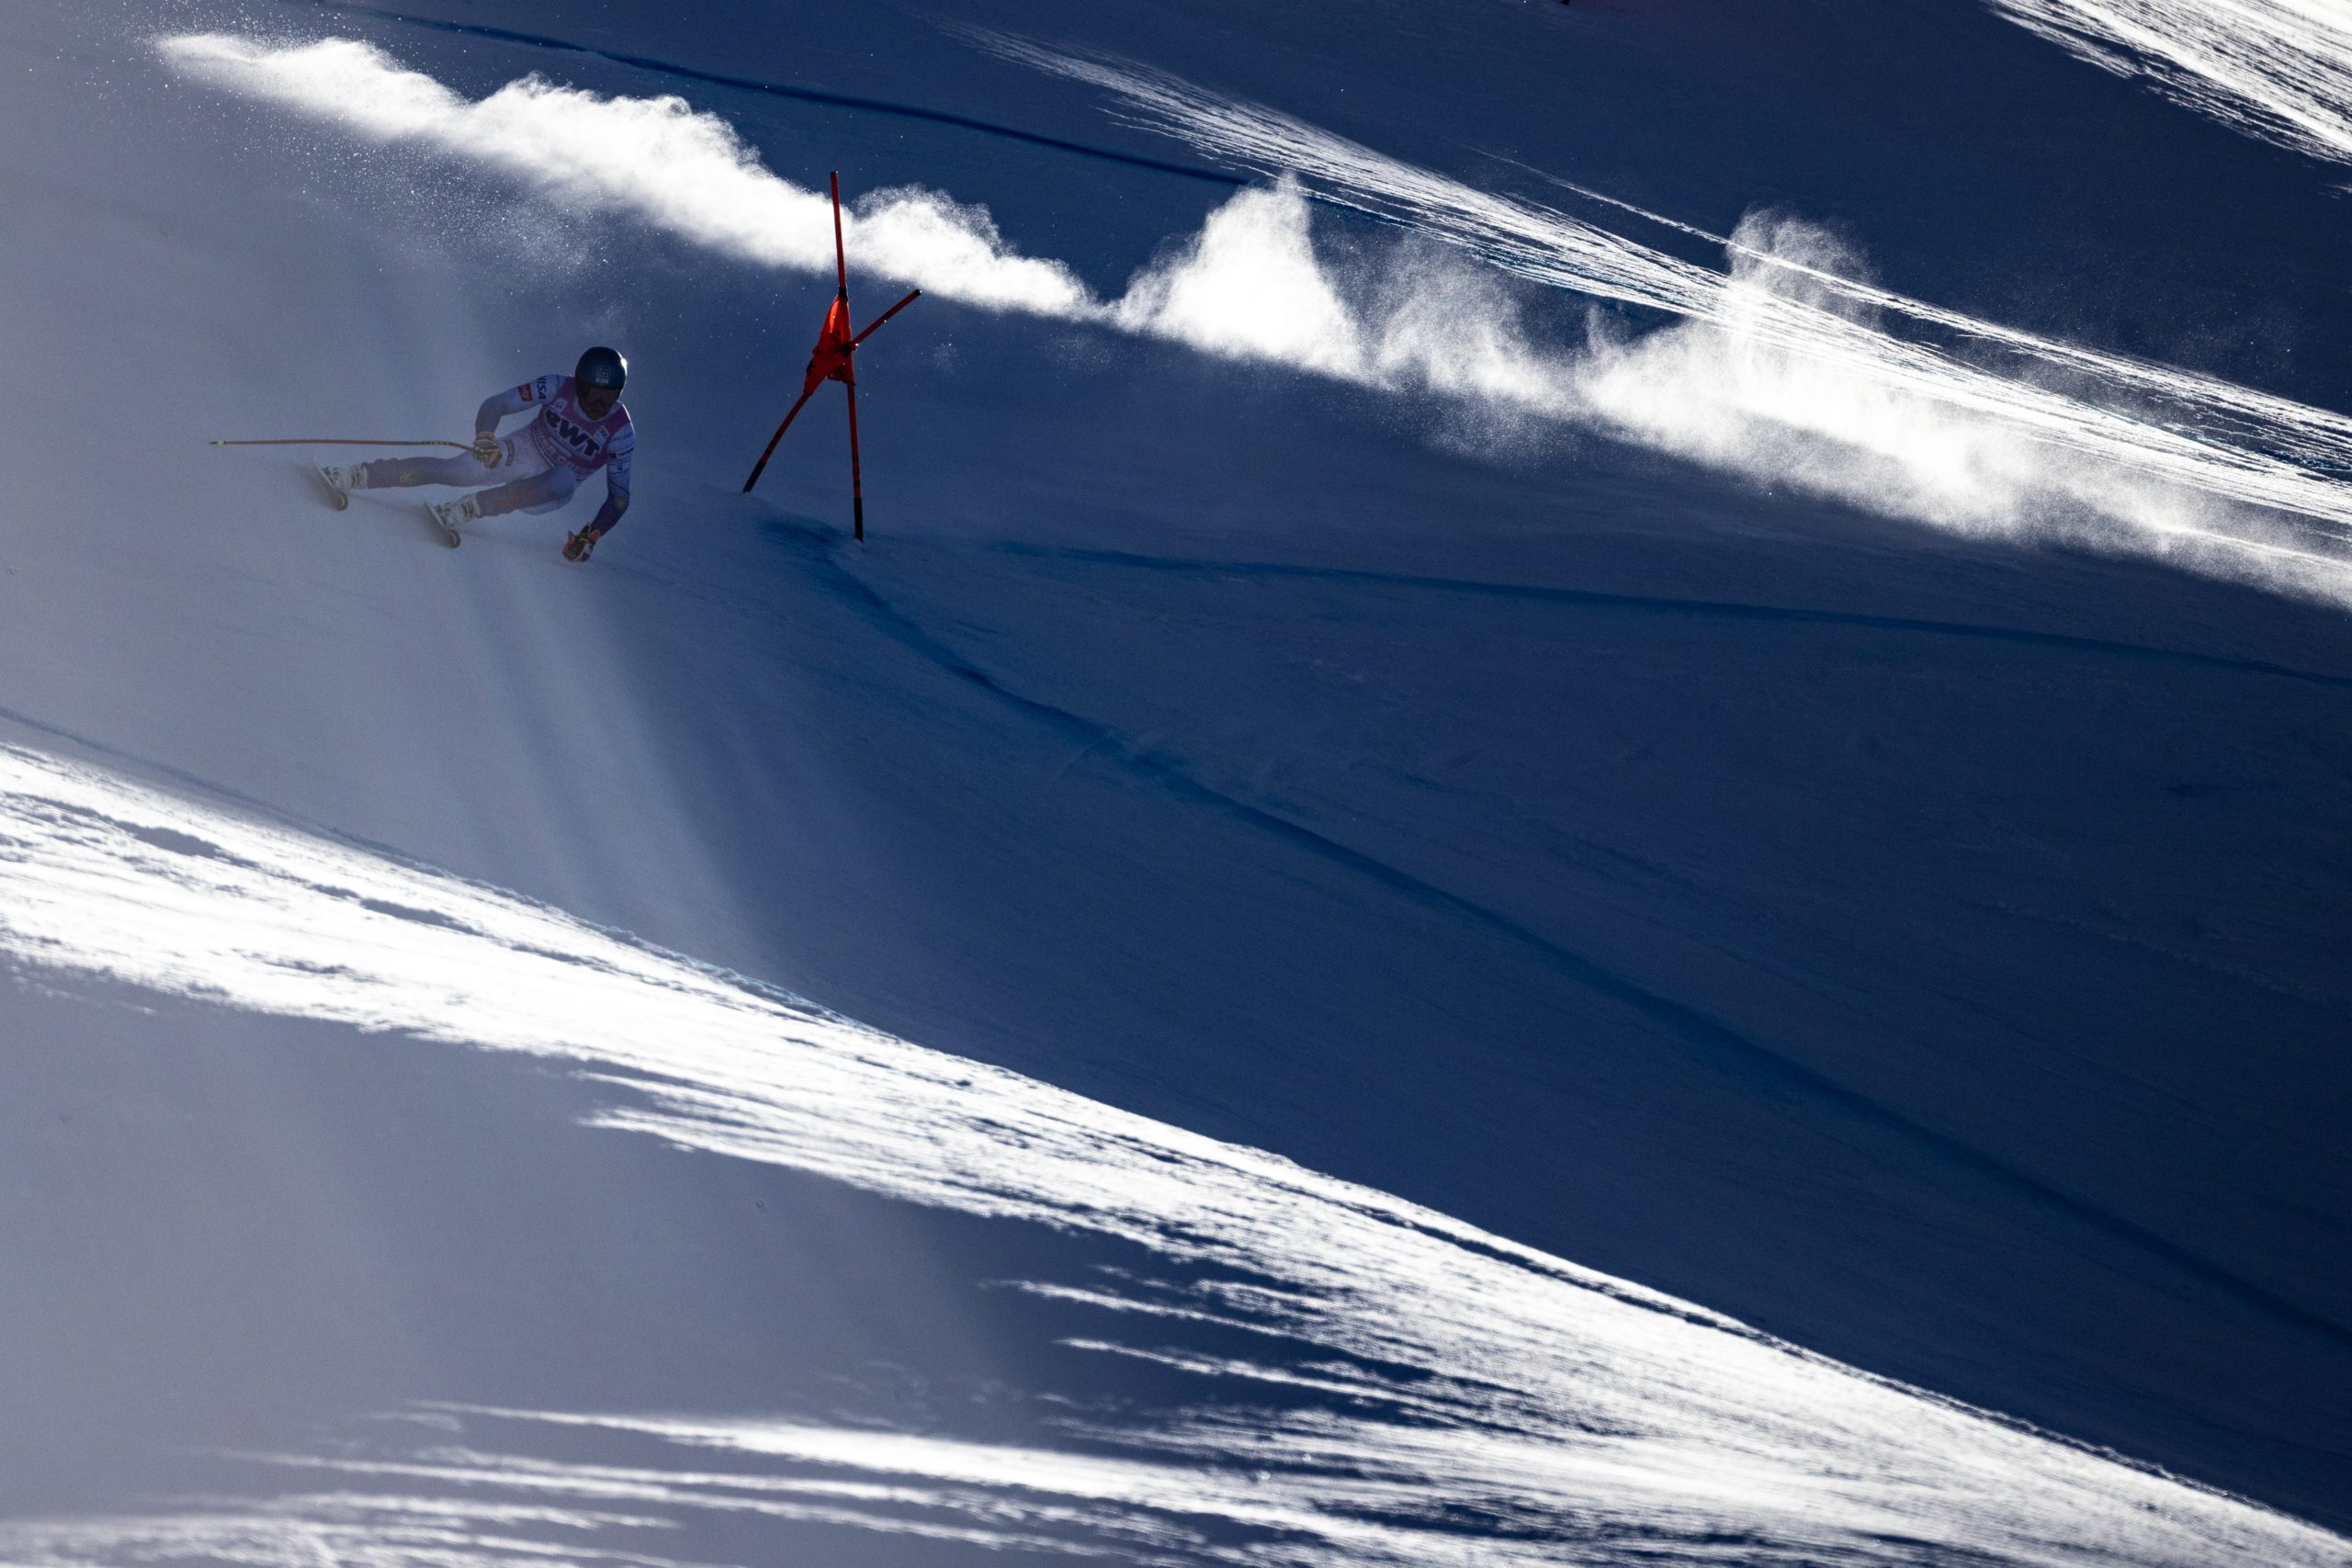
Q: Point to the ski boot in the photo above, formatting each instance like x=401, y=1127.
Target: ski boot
x=341, y=482
x=447, y=514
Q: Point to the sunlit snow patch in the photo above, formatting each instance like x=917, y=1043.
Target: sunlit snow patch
x=1471, y=1397
x=2278, y=68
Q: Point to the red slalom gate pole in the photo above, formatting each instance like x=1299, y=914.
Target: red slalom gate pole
x=848, y=371
x=832, y=361
x=841, y=256
x=857, y=483
x=883, y=316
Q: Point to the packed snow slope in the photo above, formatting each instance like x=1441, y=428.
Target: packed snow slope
x=1710, y=646
x=1389, y=1385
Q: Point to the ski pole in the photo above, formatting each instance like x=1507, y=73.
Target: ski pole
x=341, y=441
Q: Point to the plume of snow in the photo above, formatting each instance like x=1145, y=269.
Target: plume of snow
x=653, y=158
x=1790, y=366
x=1250, y=285
x=1794, y=367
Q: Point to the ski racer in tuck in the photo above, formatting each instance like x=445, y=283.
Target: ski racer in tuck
x=581, y=426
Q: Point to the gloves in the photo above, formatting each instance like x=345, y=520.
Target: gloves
x=580, y=546
x=486, y=448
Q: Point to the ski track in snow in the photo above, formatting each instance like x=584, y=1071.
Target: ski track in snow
x=1789, y=369
x=2280, y=70
x=1469, y=1399
x=1659, y=604
x=1703, y=1033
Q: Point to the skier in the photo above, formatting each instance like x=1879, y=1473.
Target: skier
x=581, y=425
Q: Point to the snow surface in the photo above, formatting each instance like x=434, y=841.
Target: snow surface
x=1428, y=617
x=1472, y=1379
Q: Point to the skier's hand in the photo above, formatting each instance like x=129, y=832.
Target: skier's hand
x=486, y=449
x=580, y=546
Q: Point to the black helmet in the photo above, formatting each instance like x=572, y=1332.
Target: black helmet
x=602, y=367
